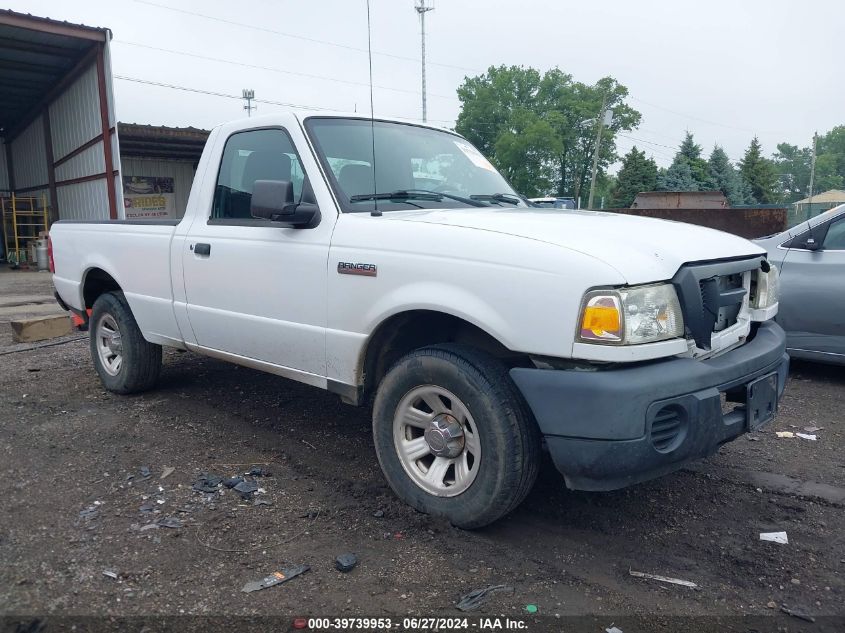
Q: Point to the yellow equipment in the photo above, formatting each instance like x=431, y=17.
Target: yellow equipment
x=24, y=218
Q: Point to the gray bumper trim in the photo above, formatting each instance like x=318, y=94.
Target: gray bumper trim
x=596, y=424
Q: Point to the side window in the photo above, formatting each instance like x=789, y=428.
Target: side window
x=835, y=238
x=249, y=156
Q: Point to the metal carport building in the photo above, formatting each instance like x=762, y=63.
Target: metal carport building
x=57, y=122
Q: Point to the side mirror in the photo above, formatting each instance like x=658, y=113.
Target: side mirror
x=273, y=200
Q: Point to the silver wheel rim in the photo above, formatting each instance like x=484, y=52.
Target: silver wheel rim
x=109, y=344
x=424, y=417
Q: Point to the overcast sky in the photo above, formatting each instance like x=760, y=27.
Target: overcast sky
x=725, y=70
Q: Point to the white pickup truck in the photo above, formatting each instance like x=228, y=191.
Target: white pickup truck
x=480, y=329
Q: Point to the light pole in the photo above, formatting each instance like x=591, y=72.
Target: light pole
x=812, y=176
x=422, y=8
x=248, y=96
x=605, y=118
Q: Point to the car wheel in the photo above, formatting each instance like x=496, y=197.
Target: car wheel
x=124, y=360
x=454, y=436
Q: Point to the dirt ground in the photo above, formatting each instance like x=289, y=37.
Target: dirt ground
x=81, y=526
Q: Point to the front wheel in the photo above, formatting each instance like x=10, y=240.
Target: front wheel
x=454, y=436
x=124, y=360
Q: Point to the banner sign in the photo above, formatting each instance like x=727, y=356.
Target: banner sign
x=148, y=197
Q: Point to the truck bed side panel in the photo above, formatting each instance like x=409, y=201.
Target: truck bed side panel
x=135, y=254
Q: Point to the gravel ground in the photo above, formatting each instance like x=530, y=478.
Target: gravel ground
x=83, y=528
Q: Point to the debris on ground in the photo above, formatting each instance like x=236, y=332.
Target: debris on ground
x=752, y=438
x=231, y=482
x=246, y=489
x=170, y=522
x=800, y=616
x=148, y=526
x=784, y=433
x=89, y=513
x=110, y=573
x=531, y=608
x=774, y=537
x=145, y=471
x=771, y=604
x=168, y=470
x=813, y=429
x=345, y=562
x=259, y=472
x=207, y=483
x=673, y=581
x=613, y=629
x=276, y=578
x=475, y=598
x=261, y=502
x=806, y=436
x=146, y=508
x=378, y=514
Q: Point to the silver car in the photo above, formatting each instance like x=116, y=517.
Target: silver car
x=811, y=259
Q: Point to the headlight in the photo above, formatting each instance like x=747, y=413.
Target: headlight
x=627, y=316
x=767, y=289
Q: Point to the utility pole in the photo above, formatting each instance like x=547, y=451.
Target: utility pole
x=601, y=123
x=812, y=175
x=422, y=8
x=248, y=96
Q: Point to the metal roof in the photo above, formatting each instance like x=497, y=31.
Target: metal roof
x=152, y=141
x=832, y=196
x=35, y=55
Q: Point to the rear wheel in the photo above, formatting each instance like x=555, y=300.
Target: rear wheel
x=454, y=436
x=124, y=360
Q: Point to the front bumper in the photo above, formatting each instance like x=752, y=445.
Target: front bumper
x=607, y=429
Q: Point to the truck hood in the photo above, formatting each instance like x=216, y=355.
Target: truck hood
x=641, y=249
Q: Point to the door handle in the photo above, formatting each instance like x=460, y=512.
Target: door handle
x=202, y=249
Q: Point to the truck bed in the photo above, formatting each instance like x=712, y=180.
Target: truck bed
x=136, y=254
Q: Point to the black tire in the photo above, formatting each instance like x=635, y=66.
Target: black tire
x=510, y=438
x=141, y=360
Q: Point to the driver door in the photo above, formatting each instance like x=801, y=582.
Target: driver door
x=256, y=291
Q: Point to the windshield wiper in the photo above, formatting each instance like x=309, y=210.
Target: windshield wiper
x=497, y=197
x=395, y=195
x=470, y=201
x=415, y=194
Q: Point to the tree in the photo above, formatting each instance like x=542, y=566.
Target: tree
x=833, y=144
x=688, y=171
x=690, y=152
x=527, y=153
x=759, y=172
x=605, y=185
x=678, y=177
x=637, y=174
x=793, y=168
x=488, y=101
x=726, y=178
x=507, y=111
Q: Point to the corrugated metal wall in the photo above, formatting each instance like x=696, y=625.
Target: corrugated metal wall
x=29, y=156
x=182, y=173
x=84, y=201
x=75, y=116
x=4, y=169
x=87, y=162
x=74, y=121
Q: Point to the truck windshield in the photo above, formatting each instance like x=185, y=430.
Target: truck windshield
x=415, y=167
